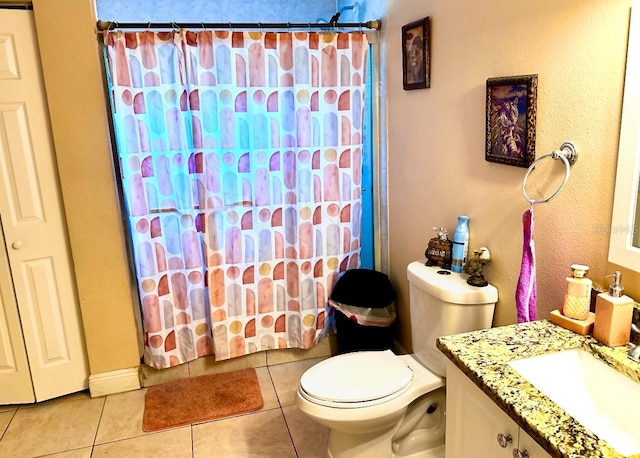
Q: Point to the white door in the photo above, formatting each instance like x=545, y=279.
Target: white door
x=33, y=222
x=15, y=377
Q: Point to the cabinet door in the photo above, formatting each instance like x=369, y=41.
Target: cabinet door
x=474, y=421
x=534, y=450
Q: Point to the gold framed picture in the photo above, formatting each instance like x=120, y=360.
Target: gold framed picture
x=511, y=120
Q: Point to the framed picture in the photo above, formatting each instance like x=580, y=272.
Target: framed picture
x=416, y=61
x=511, y=120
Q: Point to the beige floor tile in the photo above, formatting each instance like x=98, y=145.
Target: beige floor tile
x=10, y=408
x=5, y=417
x=66, y=424
x=327, y=347
x=150, y=376
x=286, y=378
x=122, y=416
x=267, y=390
x=309, y=437
x=257, y=435
x=78, y=453
x=174, y=443
x=69, y=397
x=208, y=365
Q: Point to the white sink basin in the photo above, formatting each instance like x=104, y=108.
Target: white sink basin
x=596, y=395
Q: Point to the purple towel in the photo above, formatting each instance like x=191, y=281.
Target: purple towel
x=526, y=291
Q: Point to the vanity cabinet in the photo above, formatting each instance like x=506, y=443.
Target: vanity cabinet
x=477, y=427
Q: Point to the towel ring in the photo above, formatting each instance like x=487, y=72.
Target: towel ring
x=568, y=154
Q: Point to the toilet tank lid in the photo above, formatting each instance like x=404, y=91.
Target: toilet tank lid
x=450, y=286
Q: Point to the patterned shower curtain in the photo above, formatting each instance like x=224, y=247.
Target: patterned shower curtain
x=240, y=155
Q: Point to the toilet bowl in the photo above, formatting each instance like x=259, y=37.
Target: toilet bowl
x=372, y=401
x=381, y=405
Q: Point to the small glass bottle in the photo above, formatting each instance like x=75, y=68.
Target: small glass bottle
x=460, y=244
x=577, y=299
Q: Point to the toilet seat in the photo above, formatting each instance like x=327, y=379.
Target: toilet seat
x=356, y=380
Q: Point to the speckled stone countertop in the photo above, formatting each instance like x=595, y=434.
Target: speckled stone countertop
x=483, y=356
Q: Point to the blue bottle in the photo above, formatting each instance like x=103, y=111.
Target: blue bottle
x=460, y=244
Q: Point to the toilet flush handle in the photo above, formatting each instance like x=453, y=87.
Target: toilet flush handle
x=504, y=440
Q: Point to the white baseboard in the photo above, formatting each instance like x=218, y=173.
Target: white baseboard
x=114, y=382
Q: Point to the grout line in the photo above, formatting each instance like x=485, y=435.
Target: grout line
x=293, y=444
x=53, y=454
x=146, y=434
x=193, y=446
x=95, y=436
x=274, y=387
x=8, y=423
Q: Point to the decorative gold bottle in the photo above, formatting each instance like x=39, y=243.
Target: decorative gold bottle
x=438, y=252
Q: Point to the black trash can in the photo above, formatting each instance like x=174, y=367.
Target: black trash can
x=364, y=304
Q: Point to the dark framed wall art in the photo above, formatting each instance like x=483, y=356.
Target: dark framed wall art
x=416, y=59
x=511, y=120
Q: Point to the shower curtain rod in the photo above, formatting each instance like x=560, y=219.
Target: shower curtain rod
x=108, y=25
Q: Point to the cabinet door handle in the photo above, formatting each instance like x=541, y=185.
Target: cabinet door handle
x=503, y=441
x=16, y=245
x=520, y=453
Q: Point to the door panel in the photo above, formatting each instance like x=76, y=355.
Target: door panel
x=33, y=218
x=473, y=421
x=46, y=314
x=20, y=181
x=15, y=376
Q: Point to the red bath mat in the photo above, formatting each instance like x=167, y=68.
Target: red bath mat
x=199, y=399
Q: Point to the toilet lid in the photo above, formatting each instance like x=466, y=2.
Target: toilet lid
x=357, y=377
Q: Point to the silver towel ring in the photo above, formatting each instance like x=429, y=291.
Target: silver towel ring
x=568, y=154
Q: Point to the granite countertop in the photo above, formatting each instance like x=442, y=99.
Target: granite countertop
x=483, y=356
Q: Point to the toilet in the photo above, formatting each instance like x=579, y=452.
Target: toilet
x=380, y=405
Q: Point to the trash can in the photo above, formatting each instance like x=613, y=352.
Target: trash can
x=364, y=303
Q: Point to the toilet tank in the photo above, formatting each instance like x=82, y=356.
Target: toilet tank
x=442, y=303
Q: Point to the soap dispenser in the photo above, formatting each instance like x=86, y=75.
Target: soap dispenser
x=614, y=312
x=577, y=299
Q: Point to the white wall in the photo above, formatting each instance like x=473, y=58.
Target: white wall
x=437, y=167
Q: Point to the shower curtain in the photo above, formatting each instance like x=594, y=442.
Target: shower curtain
x=240, y=156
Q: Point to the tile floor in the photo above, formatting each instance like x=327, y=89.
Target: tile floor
x=77, y=426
